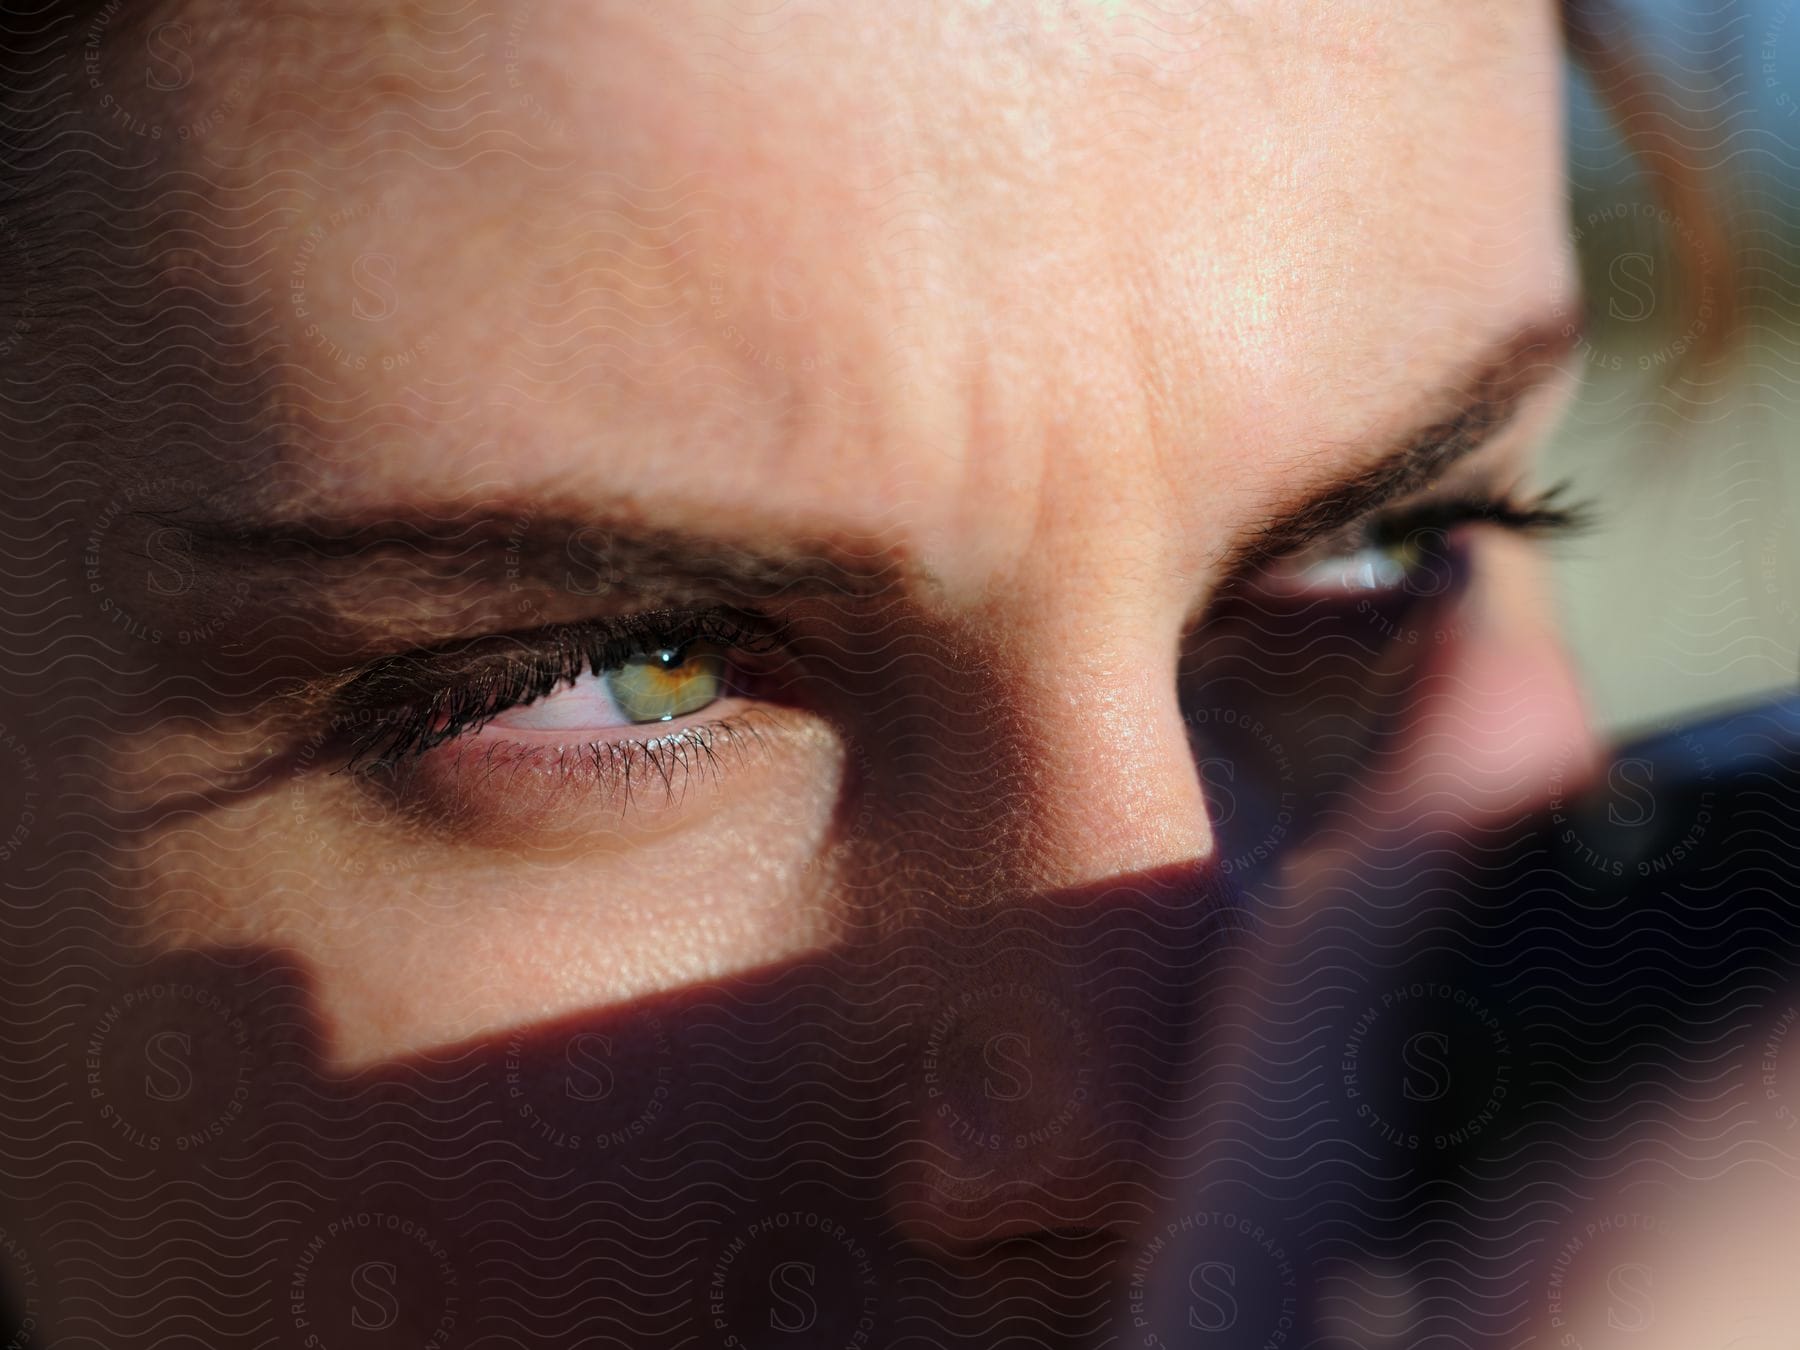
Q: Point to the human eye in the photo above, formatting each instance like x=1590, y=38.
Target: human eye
x=1416, y=549
x=614, y=704
x=1290, y=679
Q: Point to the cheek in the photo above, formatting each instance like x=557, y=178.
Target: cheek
x=414, y=933
x=1497, y=724
x=546, y=796
x=1387, y=717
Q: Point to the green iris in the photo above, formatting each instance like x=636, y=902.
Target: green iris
x=671, y=682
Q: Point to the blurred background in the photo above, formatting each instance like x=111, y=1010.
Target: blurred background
x=1684, y=596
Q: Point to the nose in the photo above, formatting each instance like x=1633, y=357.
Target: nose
x=1064, y=972
x=1109, y=775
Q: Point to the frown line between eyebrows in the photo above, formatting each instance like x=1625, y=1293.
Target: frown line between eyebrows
x=452, y=565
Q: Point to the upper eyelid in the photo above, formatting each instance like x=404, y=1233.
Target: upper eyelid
x=1443, y=507
x=471, y=655
x=413, y=684
x=1545, y=511
x=1548, y=511
x=750, y=630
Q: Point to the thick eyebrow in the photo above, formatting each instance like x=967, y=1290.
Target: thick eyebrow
x=558, y=548
x=350, y=588
x=1480, y=406
x=433, y=572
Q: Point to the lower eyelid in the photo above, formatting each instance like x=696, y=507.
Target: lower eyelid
x=499, y=781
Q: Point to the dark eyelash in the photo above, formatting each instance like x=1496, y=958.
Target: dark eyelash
x=630, y=766
x=401, y=706
x=1545, y=515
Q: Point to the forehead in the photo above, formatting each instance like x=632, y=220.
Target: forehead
x=977, y=265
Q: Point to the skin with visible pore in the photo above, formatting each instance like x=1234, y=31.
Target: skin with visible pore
x=976, y=351
x=718, y=315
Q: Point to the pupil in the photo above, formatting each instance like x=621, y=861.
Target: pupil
x=670, y=657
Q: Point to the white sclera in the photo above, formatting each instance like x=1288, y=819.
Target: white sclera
x=606, y=701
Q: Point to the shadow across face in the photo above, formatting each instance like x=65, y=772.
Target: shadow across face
x=949, y=1135
x=1395, y=1108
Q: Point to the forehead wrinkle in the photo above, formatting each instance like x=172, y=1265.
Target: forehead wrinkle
x=321, y=405
x=801, y=435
